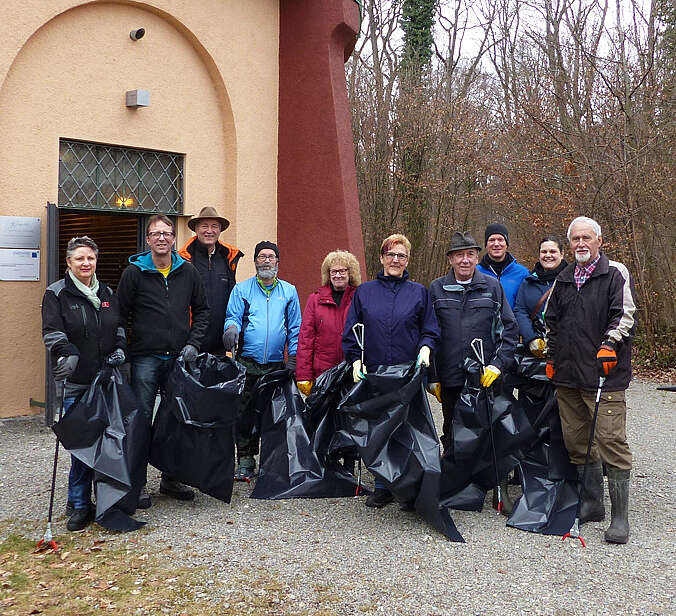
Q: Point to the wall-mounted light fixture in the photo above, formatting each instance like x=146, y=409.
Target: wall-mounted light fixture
x=137, y=34
x=138, y=98
x=124, y=201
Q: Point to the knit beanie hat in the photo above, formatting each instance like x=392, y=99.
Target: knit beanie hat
x=263, y=245
x=496, y=228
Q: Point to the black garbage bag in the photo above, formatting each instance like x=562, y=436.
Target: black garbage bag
x=548, y=479
x=294, y=462
x=388, y=418
x=193, y=437
x=469, y=465
x=105, y=429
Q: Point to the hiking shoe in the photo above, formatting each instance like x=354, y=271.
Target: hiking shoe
x=79, y=520
x=144, y=501
x=244, y=473
x=70, y=509
x=379, y=498
x=175, y=489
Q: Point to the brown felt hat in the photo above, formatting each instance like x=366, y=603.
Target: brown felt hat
x=208, y=212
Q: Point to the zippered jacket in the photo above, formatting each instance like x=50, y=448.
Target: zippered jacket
x=266, y=322
x=510, y=278
x=160, y=308
x=218, y=277
x=72, y=326
x=321, y=332
x=578, y=322
x=531, y=290
x=478, y=309
x=398, y=319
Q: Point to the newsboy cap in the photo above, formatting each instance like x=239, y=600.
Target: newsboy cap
x=462, y=241
x=208, y=212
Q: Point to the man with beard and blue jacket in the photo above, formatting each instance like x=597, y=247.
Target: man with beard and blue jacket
x=158, y=293
x=262, y=320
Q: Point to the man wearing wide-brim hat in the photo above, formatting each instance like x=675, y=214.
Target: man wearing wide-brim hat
x=468, y=305
x=216, y=263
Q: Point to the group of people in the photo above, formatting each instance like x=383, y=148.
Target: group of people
x=579, y=317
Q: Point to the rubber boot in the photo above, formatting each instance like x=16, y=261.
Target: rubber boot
x=618, y=488
x=507, y=501
x=592, y=508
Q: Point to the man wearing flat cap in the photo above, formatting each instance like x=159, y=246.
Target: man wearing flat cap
x=262, y=320
x=468, y=305
x=216, y=263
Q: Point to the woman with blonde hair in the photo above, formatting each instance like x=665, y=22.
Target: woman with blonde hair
x=321, y=330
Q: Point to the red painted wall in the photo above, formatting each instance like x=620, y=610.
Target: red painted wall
x=318, y=203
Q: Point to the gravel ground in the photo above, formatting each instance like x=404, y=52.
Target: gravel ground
x=335, y=556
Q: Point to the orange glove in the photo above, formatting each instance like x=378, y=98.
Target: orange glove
x=549, y=369
x=606, y=358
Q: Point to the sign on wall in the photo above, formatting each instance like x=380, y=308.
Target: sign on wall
x=19, y=248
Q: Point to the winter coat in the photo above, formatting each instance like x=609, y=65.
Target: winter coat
x=160, y=309
x=398, y=319
x=266, y=323
x=530, y=292
x=72, y=326
x=218, y=277
x=478, y=309
x=510, y=278
x=578, y=322
x=321, y=332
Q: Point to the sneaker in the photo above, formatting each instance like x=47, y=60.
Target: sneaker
x=144, y=501
x=79, y=520
x=175, y=489
x=379, y=498
x=244, y=473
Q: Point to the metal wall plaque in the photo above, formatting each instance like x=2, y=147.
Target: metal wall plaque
x=19, y=264
x=19, y=232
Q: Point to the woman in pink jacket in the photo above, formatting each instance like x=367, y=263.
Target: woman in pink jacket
x=321, y=330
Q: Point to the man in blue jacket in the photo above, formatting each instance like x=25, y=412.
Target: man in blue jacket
x=500, y=264
x=262, y=319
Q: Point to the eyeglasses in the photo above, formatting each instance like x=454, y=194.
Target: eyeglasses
x=263, y=258
x=156, y=235
x=338, y=272
x=400, y=256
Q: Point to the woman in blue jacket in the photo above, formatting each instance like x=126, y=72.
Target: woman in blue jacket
x=532, y=296
x=400, y=325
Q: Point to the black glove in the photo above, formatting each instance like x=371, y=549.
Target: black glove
x=65, y=366
x=291, y=364
x=189, y=353
x=116, y=358
x=230, y=337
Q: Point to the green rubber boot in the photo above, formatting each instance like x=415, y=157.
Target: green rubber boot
x=592, y=508
x=618, y=488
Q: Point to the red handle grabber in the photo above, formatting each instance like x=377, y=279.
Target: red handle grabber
x=574, y=533
x=47, y=542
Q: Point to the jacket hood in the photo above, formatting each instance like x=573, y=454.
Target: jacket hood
x=233, y=254
x=144, y=261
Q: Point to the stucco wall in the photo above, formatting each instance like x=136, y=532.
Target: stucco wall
x=212, y=71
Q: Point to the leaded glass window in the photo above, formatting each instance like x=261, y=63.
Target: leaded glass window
x=104, y=177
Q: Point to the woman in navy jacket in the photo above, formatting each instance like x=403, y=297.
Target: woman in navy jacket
x=399, y=324
x=532, y=295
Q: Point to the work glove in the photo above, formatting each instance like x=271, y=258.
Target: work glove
x=435, y=390
x=305, y=387
x=488, y=375
x=358, y=371
x=230, y=337
x=537, y=347
x=549, y=369
x=189, y=353
x=65, y=366
x=423, y=357
x=606, y=358
x=291, y=364
x=116, y=358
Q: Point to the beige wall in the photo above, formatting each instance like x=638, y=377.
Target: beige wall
x=212, y=71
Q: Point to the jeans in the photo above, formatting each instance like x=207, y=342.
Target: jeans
x=80, y=476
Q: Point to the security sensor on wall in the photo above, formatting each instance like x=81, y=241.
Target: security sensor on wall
x=137, y=34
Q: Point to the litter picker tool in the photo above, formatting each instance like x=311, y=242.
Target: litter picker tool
x=358, y=331
x=574, y=532
x=47, y=542
x=478, y=347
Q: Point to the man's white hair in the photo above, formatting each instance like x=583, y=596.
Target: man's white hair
x=596, y=227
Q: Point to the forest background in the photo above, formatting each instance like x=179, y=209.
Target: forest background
x=526, y=112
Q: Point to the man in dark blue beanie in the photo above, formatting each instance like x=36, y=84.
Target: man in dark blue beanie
x=499, y=263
